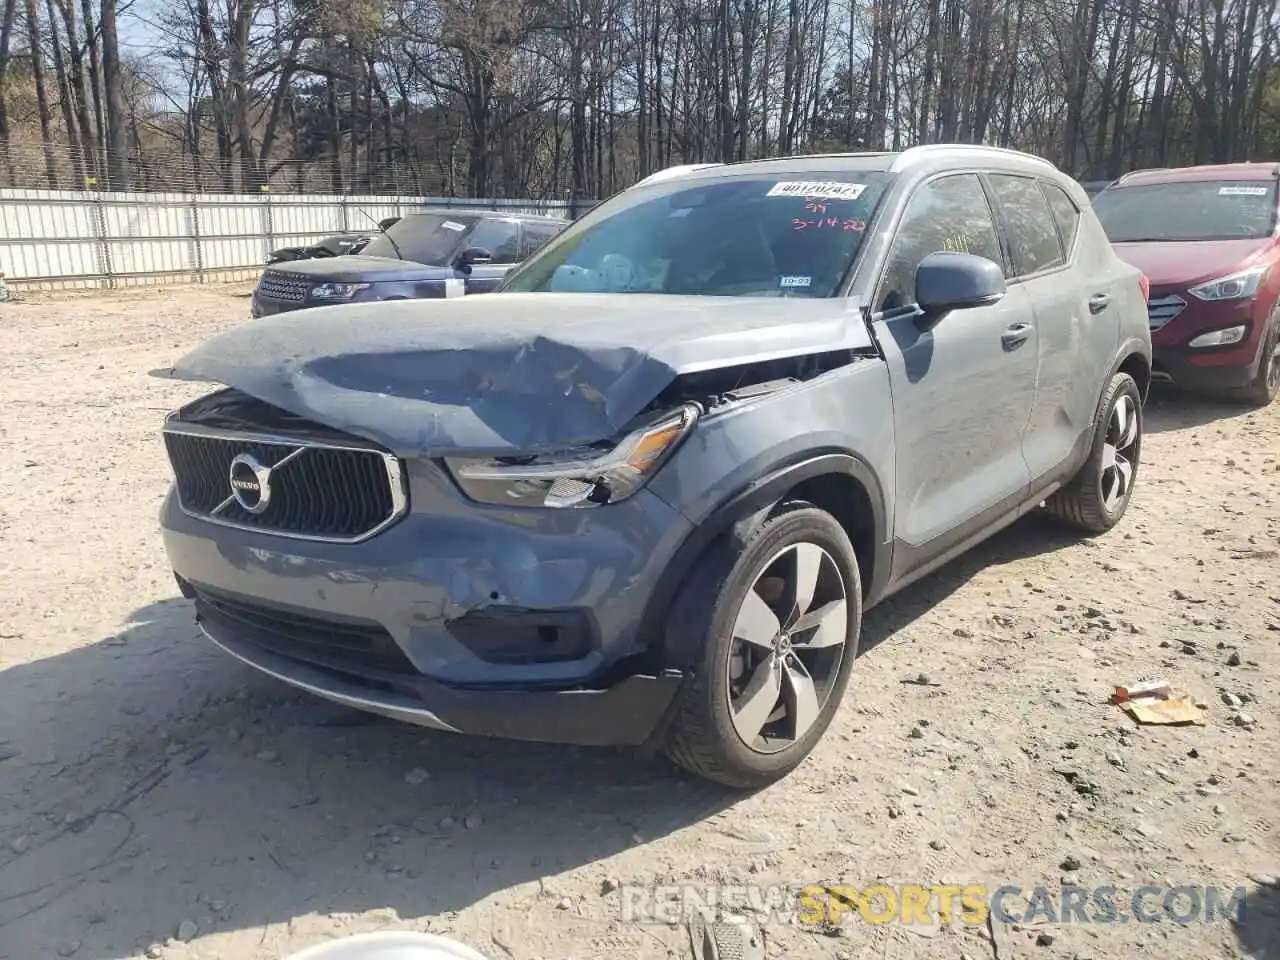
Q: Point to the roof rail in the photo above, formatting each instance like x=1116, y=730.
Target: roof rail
x=912, y=155
x=1275, y=168
x=1125, y=176
x=841, y=155
x=670, y=173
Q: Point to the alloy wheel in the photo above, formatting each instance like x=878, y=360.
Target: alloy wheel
x=789, y=640
x=1119, y=453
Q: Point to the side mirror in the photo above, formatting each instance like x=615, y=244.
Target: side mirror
x=471, y=256
x=956, y=281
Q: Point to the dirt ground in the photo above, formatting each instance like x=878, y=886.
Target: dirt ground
x=150, y=785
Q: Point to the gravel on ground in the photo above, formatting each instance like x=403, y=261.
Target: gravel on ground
x=159, y=799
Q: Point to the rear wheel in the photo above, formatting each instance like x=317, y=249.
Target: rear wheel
x=1097, y=497
x=778, y=620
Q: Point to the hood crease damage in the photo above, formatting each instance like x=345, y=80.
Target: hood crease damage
x=527, y=373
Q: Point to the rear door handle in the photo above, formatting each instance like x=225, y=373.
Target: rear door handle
x=1016, y=335
x=1099, y=302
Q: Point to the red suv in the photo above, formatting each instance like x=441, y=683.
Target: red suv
x=1207, y=240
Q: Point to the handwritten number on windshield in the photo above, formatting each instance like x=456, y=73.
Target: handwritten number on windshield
x=830, y=223
x=819, y=205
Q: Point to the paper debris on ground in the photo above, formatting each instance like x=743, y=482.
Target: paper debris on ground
x=1181, y=710
x=1154, y=702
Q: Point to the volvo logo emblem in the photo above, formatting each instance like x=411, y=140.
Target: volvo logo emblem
x=250, y=484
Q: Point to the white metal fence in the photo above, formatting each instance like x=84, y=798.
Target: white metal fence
x=54, y=238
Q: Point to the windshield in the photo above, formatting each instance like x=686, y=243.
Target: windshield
x=1188, y=210
x=431, y=238
x=734, y=237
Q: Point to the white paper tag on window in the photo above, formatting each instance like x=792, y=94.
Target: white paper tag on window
x=795, y=281
x=1243, y=191
x=454, y=226
x=822, y=189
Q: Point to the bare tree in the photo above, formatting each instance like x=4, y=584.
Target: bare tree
x=117, y=134
x=578, y=98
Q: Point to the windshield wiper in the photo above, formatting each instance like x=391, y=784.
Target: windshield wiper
x=1223, y=239
x=1187, y=239
x=394, y=246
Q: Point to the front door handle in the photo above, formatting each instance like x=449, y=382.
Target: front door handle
x=1016, y=335
x=1099, y=302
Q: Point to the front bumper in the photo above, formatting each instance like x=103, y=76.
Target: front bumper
x=426, y=621
x=1185, y=371
x=625, y=714
x=1193, y=369
x=264, y=306
x=1209, y=369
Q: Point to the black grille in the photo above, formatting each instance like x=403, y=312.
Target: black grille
x=316, y=491
x=1163, y=310
x=280, y=285
x=363, y=650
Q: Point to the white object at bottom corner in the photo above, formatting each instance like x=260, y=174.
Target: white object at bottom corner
x=454, y=287
x=389, y=945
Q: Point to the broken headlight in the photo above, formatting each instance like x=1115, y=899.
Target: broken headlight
x=578, y=478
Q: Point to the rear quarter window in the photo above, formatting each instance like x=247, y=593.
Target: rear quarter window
x=1065, y=214
x=1032, y=231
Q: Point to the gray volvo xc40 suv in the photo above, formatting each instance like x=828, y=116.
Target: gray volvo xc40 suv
x=643, y=493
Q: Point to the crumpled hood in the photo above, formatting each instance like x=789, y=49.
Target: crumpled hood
x=354, y=268
x=1188, y=263
x=506, y=372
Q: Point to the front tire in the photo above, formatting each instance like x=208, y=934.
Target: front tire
x=1098, y=496
x=777, y=621
x=1266, y=384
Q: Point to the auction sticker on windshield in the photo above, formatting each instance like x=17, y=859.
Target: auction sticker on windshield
x=1243, y=191
x=827, y=189
x=454, y=226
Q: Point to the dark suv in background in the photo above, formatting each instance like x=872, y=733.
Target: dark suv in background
x=429, y=255
x=337, y=245
x=1207, y=239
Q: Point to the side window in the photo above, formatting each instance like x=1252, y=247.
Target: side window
x=536, y=236
x=499, y=237
x=1065, y=213
x=1033, y=235
x=950, y=213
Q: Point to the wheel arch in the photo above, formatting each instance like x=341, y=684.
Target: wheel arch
x=1134, y=359
x=839, y=482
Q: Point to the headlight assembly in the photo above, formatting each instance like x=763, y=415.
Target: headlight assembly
x=1235, y=286
x=580, y=478
x=337, y=291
